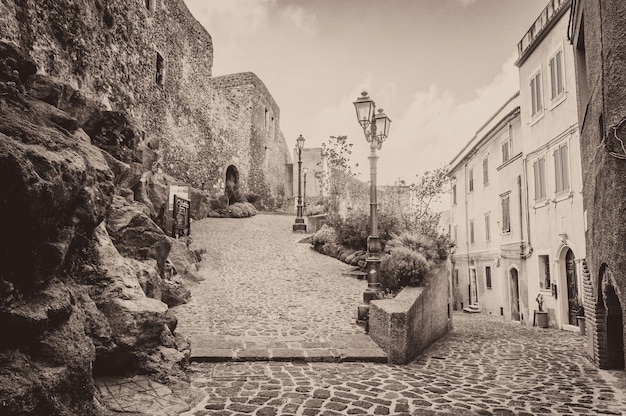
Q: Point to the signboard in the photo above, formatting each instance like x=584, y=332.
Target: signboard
x=180, y=222
x=181, y=191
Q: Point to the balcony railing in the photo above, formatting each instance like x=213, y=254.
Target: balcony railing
x=547, y=15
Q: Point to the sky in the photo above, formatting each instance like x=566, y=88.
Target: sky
x=438, y=68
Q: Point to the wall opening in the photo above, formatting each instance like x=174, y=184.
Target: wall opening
x=159, y=69
x=150, y=5
x=614, y=330
x=514, y=281
x=232, y=185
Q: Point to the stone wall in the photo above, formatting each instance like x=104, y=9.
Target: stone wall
x=600, y=47
x=154, y=61
x=406, y=325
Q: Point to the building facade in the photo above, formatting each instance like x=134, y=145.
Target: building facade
x=536, y=248
x=551, y=166
x=598, y=37
x=488, y=265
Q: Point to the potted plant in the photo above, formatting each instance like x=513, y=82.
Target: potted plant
x=541, y=317
x=580, y=317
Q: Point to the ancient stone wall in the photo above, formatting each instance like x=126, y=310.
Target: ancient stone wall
x=601, y=73
x=152, y=59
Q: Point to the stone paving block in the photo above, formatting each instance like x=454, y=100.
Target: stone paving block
x=212, y=355
x=253, y=354
x=287, y=354
x=362, y=355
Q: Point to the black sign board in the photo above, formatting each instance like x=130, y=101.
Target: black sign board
x=181, y=223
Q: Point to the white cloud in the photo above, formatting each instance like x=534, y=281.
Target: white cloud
x=299, y=19
x=436, y=125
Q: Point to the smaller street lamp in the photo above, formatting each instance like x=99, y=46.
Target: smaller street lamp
x=299, y=226
x=305, y=171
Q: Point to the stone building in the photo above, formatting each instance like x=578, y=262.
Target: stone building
x=598, y=36
x=153, y=60
x=551, y=166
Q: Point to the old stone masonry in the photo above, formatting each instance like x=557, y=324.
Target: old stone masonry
x=273, y=333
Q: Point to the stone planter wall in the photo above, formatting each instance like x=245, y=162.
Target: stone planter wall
x=406, y=325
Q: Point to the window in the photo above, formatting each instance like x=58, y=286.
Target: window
x=506, y=151
x=557, y=86
x=471, y=180
x=487, y=230
x=544, y=272
x=561, y=170
x=454, y=194
x=456, y=277
x=471, y=224
x=535, y=94
x=485, y=172
x=159, y=69
x=506, y=213
x=539, y=169
x=488, y=276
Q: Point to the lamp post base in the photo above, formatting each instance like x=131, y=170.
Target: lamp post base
x=299, y=226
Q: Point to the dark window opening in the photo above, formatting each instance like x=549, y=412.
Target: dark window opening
x=488, y=276
x=159, y=69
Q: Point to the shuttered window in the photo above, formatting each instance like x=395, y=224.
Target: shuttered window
x=561, y=169
x=539, y=169
x=557, y=85
x=506, y=213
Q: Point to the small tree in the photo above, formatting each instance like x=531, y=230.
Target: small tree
x=337, y=151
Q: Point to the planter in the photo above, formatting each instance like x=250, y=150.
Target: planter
x=541, y=319
x=582, y=324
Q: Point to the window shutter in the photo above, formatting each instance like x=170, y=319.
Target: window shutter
x=564, y=166
x=536, y=173
x=485, y=172
x=557, y=171
x=538, y=86
x=542, y=177
x=553, y=76
x=533, y=97
x=559, y=72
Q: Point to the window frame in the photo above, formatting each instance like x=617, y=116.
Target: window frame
x=506, y=221
x=486, y=171
x=562, y=182
x=487, y=227
x=488, y=277
x=507, y=141
x=543, y=264
x=541, y=180
x=536, y=95
x=472, y=236
x=557, y=96
x=470, y=180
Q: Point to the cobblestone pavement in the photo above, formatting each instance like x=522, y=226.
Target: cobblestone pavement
x=267, y=297
x=485, y=366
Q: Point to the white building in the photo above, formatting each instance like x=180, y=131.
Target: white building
x=552, y=167
x=517, y=212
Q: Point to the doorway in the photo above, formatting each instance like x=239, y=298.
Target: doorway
x=473, y=290
x=232, y=184
x=515, y=309
x=614, y=330
x=572, y=287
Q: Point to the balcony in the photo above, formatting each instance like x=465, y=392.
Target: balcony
x=549, y=15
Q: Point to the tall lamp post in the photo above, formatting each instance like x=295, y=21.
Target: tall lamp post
x=299, y=226
x=305, y=171
x=376, y=129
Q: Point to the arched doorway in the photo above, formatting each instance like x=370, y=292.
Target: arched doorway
x=571, y=282
x=609, y=316
x=232, y=184
x=614, y=330
x=514, y=281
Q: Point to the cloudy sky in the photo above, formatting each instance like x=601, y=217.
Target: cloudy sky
x=439, y=68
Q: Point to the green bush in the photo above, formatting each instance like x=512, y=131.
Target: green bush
x=242, y=210
x=324, y=235
x=353, y=231
x=404, y=267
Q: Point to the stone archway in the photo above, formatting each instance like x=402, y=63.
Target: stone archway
x=610, y=323
x=232, y=184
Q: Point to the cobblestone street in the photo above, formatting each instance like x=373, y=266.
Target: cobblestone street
x=272, y=314
x=266, y=296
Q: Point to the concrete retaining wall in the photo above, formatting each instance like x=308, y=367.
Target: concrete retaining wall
x=404, y=326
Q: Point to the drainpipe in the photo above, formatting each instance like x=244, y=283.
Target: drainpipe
x=467, y=248
x=521, y=216
x=529, y=252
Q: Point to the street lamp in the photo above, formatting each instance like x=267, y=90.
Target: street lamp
x=305, y=170
x=299, y=226
x=376, y=129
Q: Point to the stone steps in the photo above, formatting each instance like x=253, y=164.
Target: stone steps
x=473, y=308
x=352, y=348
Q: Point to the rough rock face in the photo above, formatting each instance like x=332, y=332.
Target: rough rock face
x=70, y=303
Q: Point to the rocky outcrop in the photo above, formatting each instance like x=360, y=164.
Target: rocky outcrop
x=73, y=300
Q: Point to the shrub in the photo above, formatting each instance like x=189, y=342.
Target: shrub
x=315, y=210
x=324, y=235
x=404, y=267
x=355, y=228
x=242, y=210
